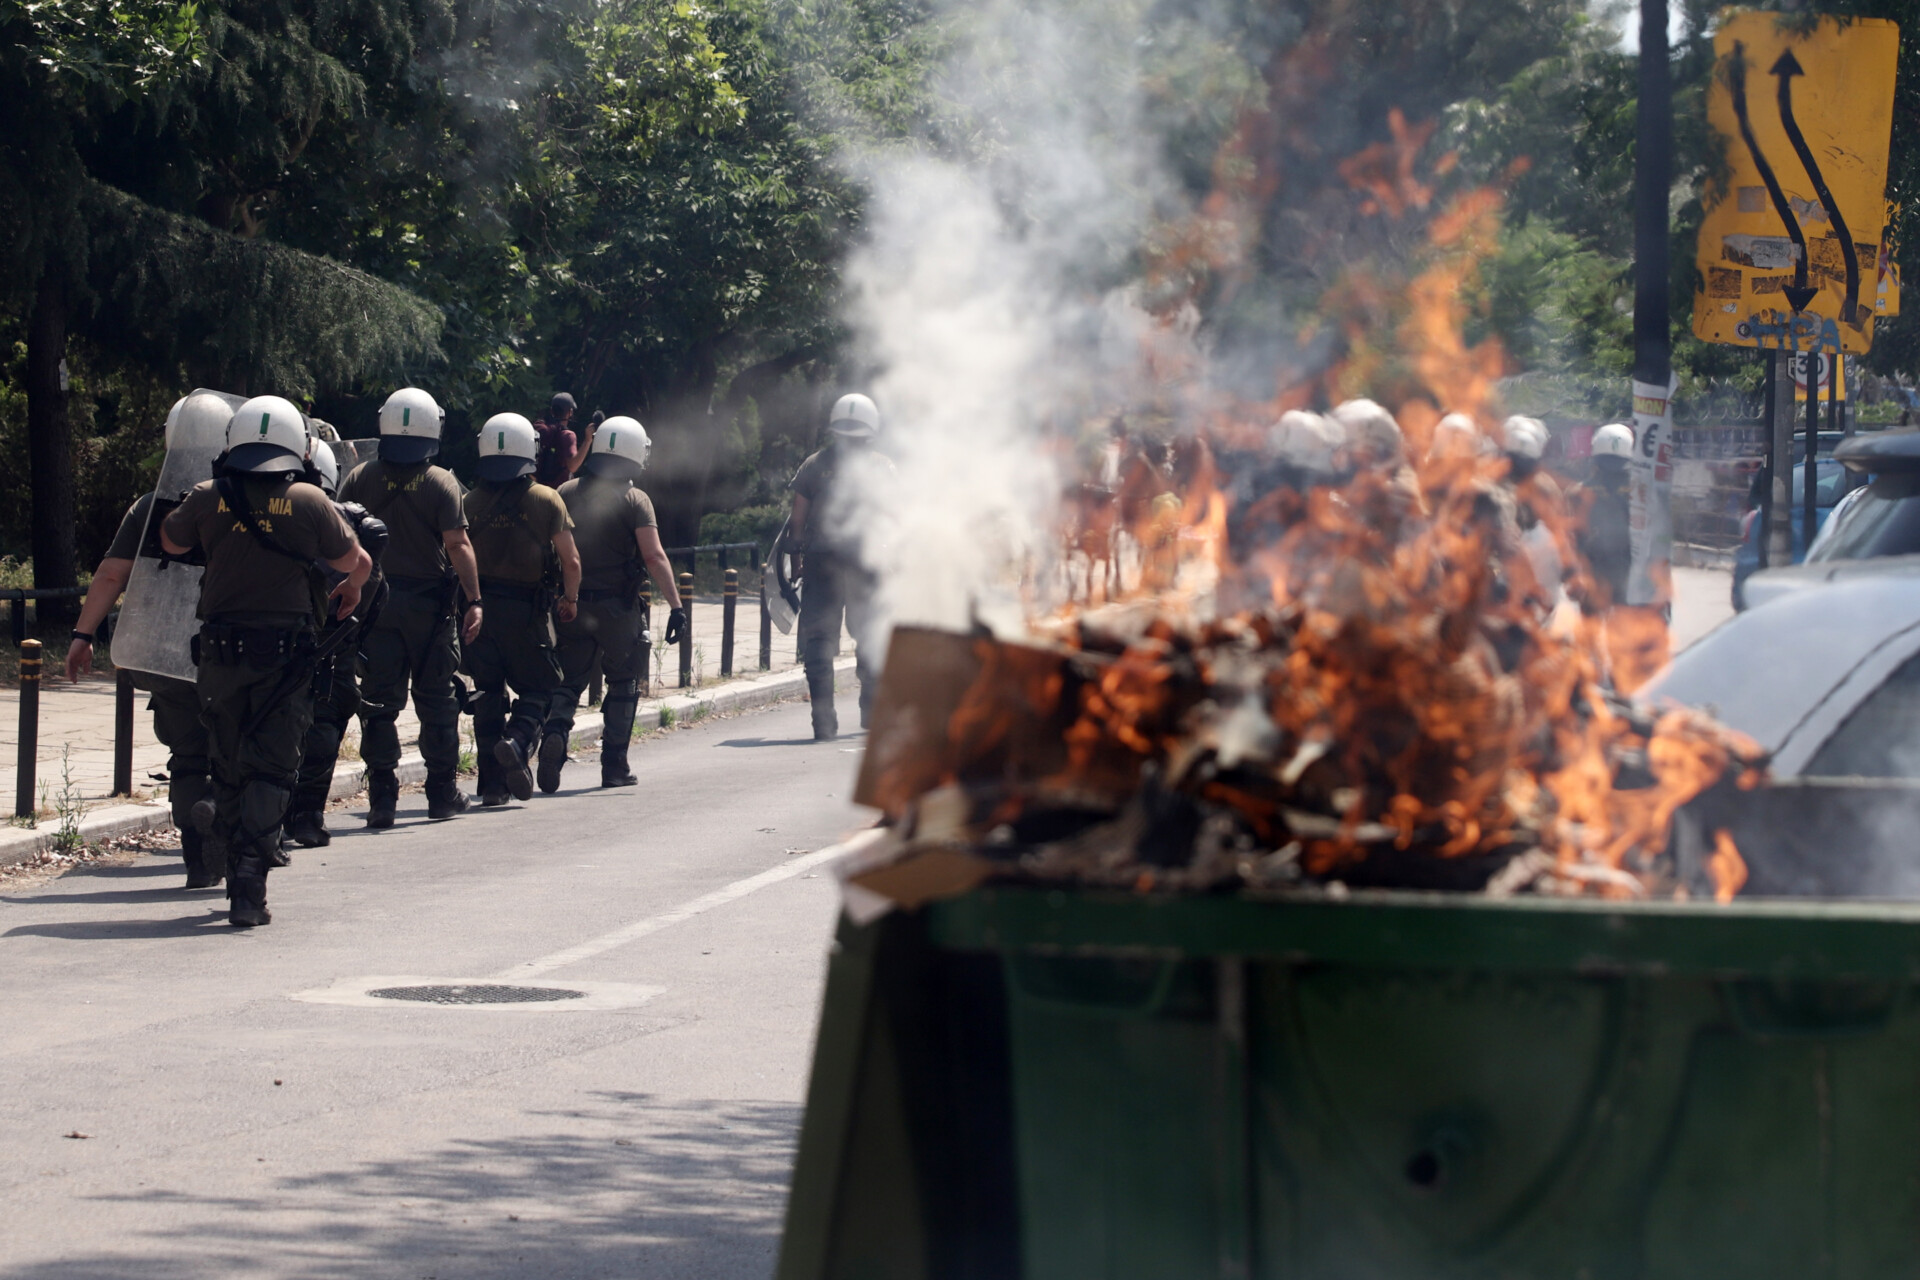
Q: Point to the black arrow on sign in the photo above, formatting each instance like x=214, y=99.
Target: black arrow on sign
x=1799, y=293
x=1787, y=68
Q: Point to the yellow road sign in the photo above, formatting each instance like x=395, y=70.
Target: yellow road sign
x=1790, y=255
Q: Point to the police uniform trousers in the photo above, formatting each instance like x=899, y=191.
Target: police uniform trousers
x=336, y=698
x=176, y=722
x=834, y=590
x=514, y=651
x=256, y=710
x=413, y=641
x=611, y=628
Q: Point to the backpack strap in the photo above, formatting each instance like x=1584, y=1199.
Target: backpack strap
x=235, y=494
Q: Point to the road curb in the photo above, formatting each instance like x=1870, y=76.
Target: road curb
x=109, y=821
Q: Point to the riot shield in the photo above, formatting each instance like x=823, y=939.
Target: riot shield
x=354, y=452
x=780, y=587
x=157, y=615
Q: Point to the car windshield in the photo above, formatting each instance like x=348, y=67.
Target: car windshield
x=1884, y=520
x=1881, y=739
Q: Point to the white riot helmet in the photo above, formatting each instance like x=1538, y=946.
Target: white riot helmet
x=855, y=417
x=410, y=424
x=507, y=448
x=1308, y=441
x=620, y=448
x=326, y=466
x=1373, y=435
x=1615, y=440
x=1454, y=436
x=1525, y=437
x=266, y=435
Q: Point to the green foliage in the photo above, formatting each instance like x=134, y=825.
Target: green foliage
x=758, y=525
x=115, y=48
x=168, y=287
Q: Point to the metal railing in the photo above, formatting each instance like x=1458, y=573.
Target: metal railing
x=123, y=693
x=17, y=598
x=689, y=559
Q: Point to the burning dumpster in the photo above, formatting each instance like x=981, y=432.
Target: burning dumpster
x=1163, y=965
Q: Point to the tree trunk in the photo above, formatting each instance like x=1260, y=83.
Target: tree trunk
x=50, y=446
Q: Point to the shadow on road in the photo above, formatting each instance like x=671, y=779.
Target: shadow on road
x=635, y=1186
x=120, y=930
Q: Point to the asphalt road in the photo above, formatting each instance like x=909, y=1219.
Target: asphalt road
x=250, y=1111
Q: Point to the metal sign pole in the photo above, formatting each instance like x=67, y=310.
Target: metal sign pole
x=1648, y=582
x=1808, y=504
x=1780, y=491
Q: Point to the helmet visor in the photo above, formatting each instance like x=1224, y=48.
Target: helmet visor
x=406, y=449
x=611, y=465
x=263, y=458
x=498, y=467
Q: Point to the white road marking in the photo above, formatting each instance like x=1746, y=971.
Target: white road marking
x=653, y=924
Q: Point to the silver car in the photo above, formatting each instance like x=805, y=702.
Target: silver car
x=1827, y=679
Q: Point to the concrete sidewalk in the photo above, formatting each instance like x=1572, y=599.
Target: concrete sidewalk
x=74, y=755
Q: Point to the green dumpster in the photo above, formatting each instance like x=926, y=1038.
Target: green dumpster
x=1019, y=1082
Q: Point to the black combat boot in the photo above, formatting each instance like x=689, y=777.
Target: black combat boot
x=308, y=829
x=614, y=771
x=553, y=758
x=201, y=873
x=444, y=799
x=492, y=793
x=247, y=890
x=826, y=722
x=383, y=797
x=511, y=755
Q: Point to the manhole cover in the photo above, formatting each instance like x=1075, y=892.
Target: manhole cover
x=477, y=993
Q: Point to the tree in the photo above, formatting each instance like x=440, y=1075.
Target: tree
x=189, y=108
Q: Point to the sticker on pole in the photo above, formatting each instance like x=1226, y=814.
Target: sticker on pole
x=1792, y=252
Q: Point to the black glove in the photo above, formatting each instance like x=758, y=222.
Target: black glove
x=676, y=625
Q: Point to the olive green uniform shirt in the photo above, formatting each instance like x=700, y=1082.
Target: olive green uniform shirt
x=512, y=526
x=126, y=541
x=605, y=515
x=242, y=575
x=419, y=503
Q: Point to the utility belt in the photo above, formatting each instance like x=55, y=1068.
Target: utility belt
x=233, y=644
x=525, y=592
x=598, y=594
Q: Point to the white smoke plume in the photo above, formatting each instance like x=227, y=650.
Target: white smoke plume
x=991, y=294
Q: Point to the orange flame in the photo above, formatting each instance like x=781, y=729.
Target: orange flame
x=1403, y=665
x=1727, y=867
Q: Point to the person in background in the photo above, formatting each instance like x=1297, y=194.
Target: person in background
x=619, y=542
x=416, y=638
x=336, y=687
x=175, y=703
x=1605, y=538
x=559, y=451
x=530, y=571
x=831, y=506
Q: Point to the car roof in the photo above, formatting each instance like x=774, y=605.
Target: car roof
x=1881, y=451
x=1770, y=584
x=1787, y=672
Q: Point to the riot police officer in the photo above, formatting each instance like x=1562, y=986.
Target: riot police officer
x=414, y=639
x=832, y=505
x=529, y=570
x=261, y=528
x=175, y=703
x=336, y=687
x=619, y=542
x=1605, y=534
